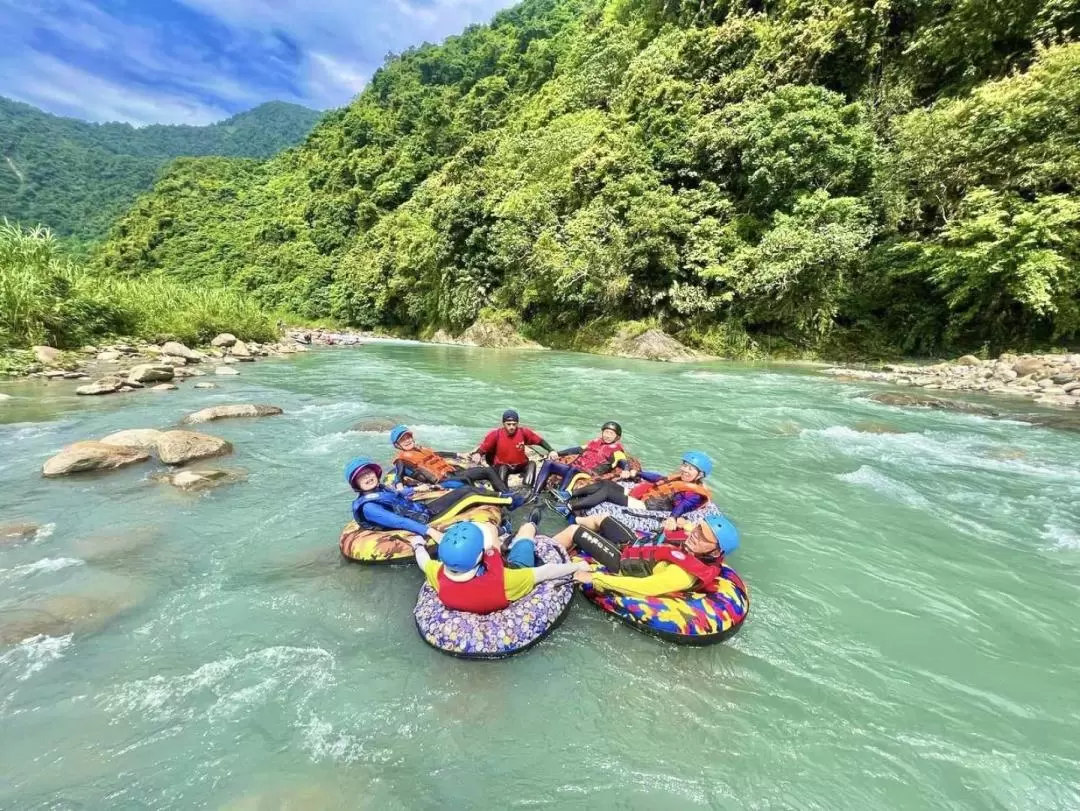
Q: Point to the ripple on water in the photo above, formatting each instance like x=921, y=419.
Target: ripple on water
x=34, y=654
x=43, y=566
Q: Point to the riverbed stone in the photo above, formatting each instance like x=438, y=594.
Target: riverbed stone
x=181, y=447
x=17, y=532
x=46, y=354
x=206, y=385
x=144, y=438
x=223, y=412
x=652, y=344
x=967, y=360
x=163, y=387
x=240, y=350
x=1070, y=388
x=224, y=339
x=375, y=425
x=927, y=401
x=82, y=457
x=1028, y=366
x=150, y=373
x=108, y=355
x=205, y=478
x=177, y=349
x=172, y=360
x=104, y=385
x=225, y=371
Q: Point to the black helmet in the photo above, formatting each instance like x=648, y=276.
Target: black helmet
x=614, y=426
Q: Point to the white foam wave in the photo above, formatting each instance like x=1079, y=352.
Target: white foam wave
x=35, y=653
x=44, y=531
x=38, y=567
x=1061, y=537
x=867, y=476
x=323, y=742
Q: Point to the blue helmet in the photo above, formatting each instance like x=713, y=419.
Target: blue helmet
x=358, y=464
x=462, y=546
x=397, y=432
x=727, y=536
x=699, y=460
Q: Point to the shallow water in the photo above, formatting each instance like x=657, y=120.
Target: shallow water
x=913, y=640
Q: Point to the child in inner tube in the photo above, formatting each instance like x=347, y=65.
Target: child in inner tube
x=471, y=575
x=682, y=492
x=598, y=456
x=379, y=506
x=682, y=557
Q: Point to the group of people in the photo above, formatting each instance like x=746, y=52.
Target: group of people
x=477, y=570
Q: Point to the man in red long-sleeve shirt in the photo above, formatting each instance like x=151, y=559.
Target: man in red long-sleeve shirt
x=504, y=448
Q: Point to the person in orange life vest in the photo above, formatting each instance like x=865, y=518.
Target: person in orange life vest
x=682, y=557
x=471, y=575
x=598, y=456
x=431, y=467
x=680, y=493
x=504, y=448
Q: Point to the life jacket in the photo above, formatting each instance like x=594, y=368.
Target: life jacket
x=661, y=495
x=395, y=502
x=427, y=461
x=483, y=594
x=597, y=454
x=648, y=555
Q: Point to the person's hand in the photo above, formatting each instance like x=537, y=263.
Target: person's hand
x=670, y=525
x=399, y=486
x=626, y=474
x=475, y=458
x=553, y=455
x=581, y=566
x=422, y=488
x=434, y=534
x=416, y=542
x=585, y=578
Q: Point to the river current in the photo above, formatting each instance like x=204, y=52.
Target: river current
x=913, y=640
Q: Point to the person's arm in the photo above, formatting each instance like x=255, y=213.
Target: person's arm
x=649, y=476
x=552, y=571
x=379, y=515
x=533, y=438
x=687, y=502
x=423, y=559
x=667, y=579
x=571, y=451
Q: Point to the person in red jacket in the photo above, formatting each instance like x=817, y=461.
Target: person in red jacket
x=504, y=448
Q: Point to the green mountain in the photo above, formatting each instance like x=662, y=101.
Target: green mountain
x=77, y=177
x=799, y=175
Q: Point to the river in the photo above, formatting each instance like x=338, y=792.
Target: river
x=913, y=639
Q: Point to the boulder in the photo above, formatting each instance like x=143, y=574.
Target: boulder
x=163, y=387
x=150, y=373
x=225, y=370
x=177, y=349
x=144, y=438
x=181, y=447
x=246, y=359
x=240, y=350
x=652, y=344
x=224, y=339
x=74, y=376
x=63, y=614
x=1071, y=388
x=927, y=401
x=17, y=532
x=967, y=360
x=1063, y=377
x=223, y=412
x=206, y=385
x=379, y=425
x=46, y=354
x=108, y=355
x=109, y=547
x=106, y=385
x=230, y=360
x=89, y=350
x=172, y=360
x=1028, y=366
x=82, y=457
x=54, y=373
x=875, y=427
x=204, y=478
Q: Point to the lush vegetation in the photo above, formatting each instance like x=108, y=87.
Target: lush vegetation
x=835, y=176
x=76, y=177
x=45, y=298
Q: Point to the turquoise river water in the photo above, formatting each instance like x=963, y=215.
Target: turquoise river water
x=913, y=640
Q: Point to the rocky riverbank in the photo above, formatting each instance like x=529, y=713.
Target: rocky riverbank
x=1048, y=380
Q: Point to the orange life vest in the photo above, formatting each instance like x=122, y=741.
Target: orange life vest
x=661, y=495
x=426, y=460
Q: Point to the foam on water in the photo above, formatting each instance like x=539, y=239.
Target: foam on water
x=34, y=654
x=43, y=566
x=867, y=476
x=1061, y=537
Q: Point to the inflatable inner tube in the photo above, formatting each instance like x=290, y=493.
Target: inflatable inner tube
x=374, y=546
x=502, y=633
x=688, y=618
x=646, y=522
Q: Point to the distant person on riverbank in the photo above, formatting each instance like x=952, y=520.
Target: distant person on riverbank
x=504, y=448
x=598, y=457
x=682, y=557
x=428, y=466
x=378, y=506
x=682, y=492
x=471, y=574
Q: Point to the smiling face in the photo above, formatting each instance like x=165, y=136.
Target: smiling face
x=367, y=480
x=406, y=442
x=701, y=541
x=689, y=473
x=608, y=435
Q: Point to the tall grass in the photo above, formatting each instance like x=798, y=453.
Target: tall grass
x=46, y=298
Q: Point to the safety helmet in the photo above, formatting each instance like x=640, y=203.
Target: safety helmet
x=510, y=414
x=358, y=464
x=461, y=547
x=724, y=532
x=699, y=460
x=614, y=426
x=397, y=432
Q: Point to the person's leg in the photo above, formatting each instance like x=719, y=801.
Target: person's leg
x=551, y=467
x=615, y=530
x=454, y=502
x=585, y=498
x=480, y=474
x=522, y=553
x=565, y=537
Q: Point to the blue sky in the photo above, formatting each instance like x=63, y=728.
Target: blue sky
x=198, y=61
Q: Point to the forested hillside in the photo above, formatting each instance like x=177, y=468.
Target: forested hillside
x=801, y=175
x=76, y=177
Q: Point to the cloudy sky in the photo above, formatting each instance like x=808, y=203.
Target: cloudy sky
x=197, y=61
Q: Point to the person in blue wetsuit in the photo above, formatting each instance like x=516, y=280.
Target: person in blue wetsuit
x=378, y=506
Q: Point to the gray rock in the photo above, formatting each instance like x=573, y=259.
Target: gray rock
x=206, y=385
x=926, y=401
x=17, y=532
x=223, y=412
x=225, y=370
x=82, y=457
x=54, y=373
x=172, y=360
x=177, y=349
x=240, y=350
x=108, y=355
x=46, y=354
x=375, y=425
x=89, y=350
x=143, y=438
x=1071, y=388
x=1028, y=366
x=180, y=447
x=205, y=478
x=163, y=387
x=230, y=360
x=106, y=385
x=224, y=339
x=1063, y=377
x=967, y=360
x=150, y=373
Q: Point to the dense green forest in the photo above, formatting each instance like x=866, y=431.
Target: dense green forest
x=832, y=176
x=76, y=178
